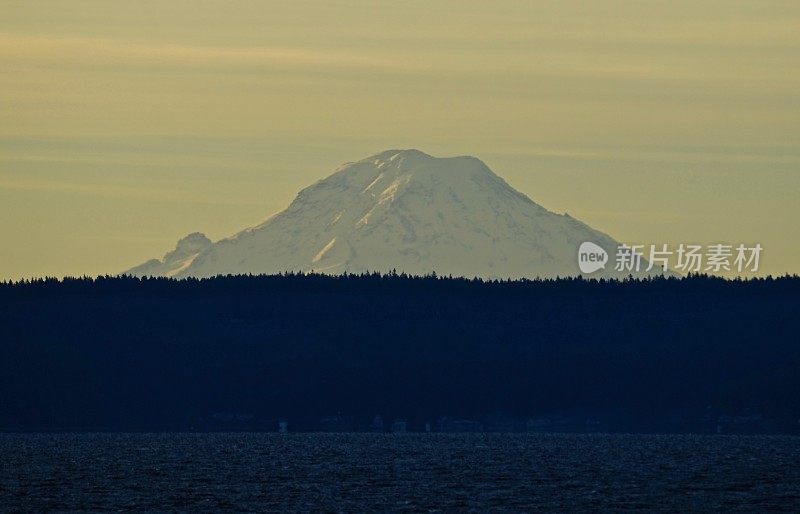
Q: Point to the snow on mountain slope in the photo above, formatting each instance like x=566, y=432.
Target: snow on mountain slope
x=175, y=261
x=402, y=210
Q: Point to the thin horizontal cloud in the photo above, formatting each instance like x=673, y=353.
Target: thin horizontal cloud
x=678, y=155
x=74, y=188
x=54, y=49
x=531, y=61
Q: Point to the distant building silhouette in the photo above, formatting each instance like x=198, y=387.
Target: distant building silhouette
x=399, y=427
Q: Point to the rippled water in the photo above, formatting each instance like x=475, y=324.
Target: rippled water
x=422, y=472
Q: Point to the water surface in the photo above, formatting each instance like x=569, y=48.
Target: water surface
x=410, y=472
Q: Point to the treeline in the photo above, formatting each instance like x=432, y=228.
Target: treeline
x=371, y=281
x=699, y=354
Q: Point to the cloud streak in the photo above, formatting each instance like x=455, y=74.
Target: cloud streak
x=53, y=50
x=524, y=60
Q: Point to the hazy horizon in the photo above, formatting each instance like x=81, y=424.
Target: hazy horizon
x=127, y=126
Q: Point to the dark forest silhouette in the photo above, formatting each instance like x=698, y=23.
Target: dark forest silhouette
x=699, y=354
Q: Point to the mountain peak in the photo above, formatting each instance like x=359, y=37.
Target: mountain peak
x=390, y=155
x=195, y=238
x=191, y=244
x=401, y=210
x=175, y=261
x=414, y=156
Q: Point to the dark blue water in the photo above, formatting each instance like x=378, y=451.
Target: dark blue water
x=415, y=473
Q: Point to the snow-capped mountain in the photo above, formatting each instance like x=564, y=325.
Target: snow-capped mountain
x=398, y=210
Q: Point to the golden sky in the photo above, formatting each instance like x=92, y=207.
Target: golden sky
x=125, y=125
